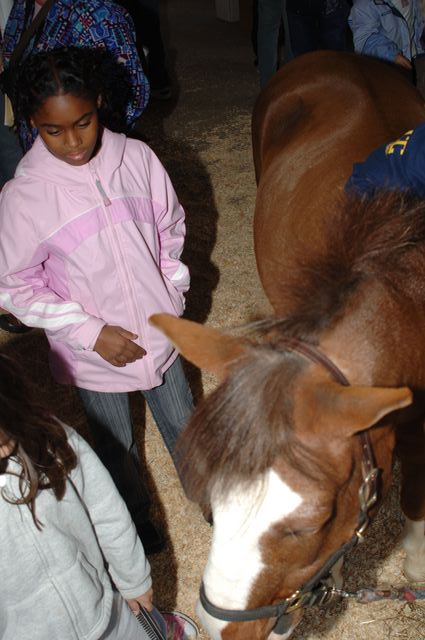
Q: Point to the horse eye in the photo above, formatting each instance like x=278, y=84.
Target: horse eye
x=283, y=531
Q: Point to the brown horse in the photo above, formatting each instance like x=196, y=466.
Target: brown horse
x=296, y=442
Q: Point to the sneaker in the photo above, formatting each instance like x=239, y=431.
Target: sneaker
x=180, y=626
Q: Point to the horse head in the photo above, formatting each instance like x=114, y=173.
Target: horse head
x=274, y=450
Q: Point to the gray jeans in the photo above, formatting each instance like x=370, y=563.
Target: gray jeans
x=110, y=423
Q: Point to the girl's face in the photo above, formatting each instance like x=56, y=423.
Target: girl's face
x=69, y=127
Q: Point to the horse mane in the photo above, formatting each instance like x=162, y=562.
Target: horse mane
x=369, y=239
x=236, y=433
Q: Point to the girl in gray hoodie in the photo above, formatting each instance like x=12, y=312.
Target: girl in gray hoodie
x=66, y=536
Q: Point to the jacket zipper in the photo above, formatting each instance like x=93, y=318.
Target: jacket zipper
x=121, y=263
x=102, y=192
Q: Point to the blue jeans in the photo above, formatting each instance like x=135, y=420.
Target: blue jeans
x=318, y=31
x=270, y=16
x=110, y=423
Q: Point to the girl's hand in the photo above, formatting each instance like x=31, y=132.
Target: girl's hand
x=145, y=600
x=116, y=346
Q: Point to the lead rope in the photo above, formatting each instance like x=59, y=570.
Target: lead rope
x=403, y=594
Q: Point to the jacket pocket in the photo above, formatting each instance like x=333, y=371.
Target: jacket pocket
x=72, y=605
x=84, y=591
x=177, y=298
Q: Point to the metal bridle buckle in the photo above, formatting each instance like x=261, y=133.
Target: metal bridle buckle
x=296, y=601
x=368, y=493
x=329, y=596
x=324, y=594
x=361, y=530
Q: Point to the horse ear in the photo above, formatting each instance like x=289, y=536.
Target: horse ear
x=347, y=410
x=205, y=347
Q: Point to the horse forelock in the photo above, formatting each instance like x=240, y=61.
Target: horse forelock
x=240, y=429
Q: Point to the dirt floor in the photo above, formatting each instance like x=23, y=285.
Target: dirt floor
x=203, y=137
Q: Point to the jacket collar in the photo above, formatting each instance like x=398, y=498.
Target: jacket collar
x=40, y=164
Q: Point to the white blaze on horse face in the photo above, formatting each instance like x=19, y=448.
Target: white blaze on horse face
x=235, y=557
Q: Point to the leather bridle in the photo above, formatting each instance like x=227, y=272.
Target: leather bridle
x=317, y=590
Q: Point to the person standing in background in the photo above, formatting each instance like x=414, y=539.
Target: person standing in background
x=10, y=150
x=388, y=30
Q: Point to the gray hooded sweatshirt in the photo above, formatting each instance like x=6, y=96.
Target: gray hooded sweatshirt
x=53, y=582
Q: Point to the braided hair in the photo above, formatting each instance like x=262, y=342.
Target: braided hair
x=86, y=73
x=41, y=446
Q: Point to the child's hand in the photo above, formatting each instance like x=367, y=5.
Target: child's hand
x=145, y=600
x=116, y=346
x=402, y=61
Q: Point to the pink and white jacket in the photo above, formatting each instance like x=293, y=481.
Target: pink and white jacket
x=81, y=247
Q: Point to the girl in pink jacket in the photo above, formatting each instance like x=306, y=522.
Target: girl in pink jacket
x=91, y=234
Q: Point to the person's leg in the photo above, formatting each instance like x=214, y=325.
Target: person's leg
x=147, y=22
x=270, y=14
x=151, y=36
x=10, y=155
x=171, y=404
x=333, y=29
x=10, y=149
x=111, y=426
x=302, y=32
x=419, y=74
x=254, y=29
x=287, y=49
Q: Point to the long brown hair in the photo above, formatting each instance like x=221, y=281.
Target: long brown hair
x=41, y=445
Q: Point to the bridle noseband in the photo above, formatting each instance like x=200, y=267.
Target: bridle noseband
x=317, y=590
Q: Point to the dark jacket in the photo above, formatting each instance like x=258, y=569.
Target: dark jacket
x=398, y=165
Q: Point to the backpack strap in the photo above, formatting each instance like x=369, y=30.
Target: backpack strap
x=29, y=32
x=16, y=56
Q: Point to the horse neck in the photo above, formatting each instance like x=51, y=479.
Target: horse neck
x=378, y=340
x=376, y=343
